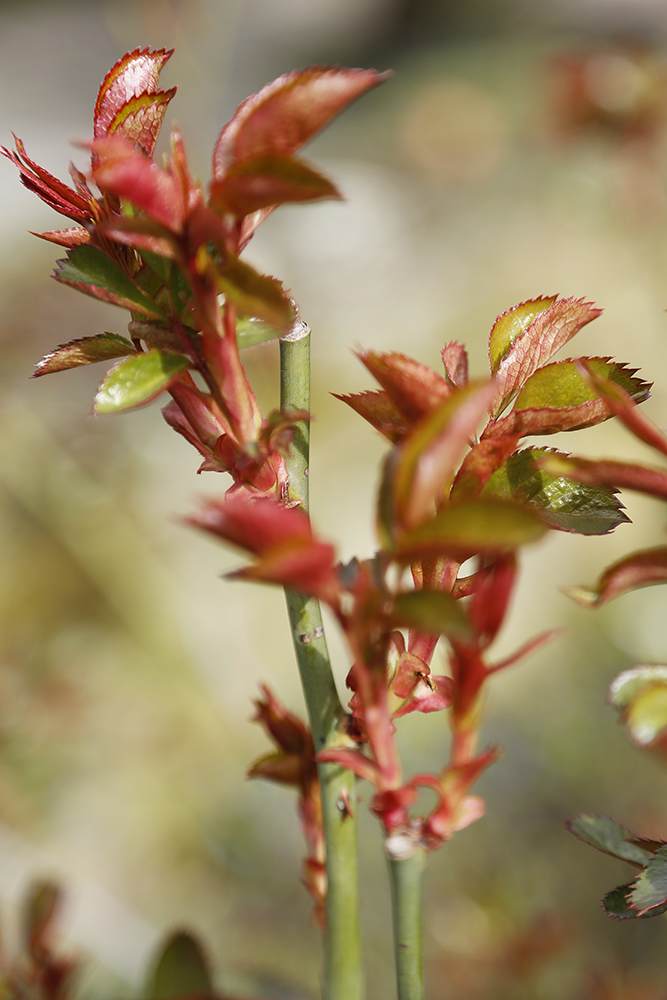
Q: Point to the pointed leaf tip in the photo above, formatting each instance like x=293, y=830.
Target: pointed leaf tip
x=133, y=78
x=138, y=380
x=181, y=971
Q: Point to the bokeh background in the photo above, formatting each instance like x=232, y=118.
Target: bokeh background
x=520, y=149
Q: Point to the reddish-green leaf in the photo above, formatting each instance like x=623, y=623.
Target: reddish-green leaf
x=69, y=238
x=479, y=465
x=610, y=837
x=534, y=476
x=269, y=179
x=480, y=525
x=607, y=473
x=181, y=970
x=66, y=200
x=138, y=380
x=426, y=461
x=256, y=295
x=512, y=324
x=288, y=112
x=85, y=351
x=432, y=611
x=89, y=270
x=133, y=81
x=455, y=359
x=145, y=235
x=641, y=569
x=535, y=345
x=640, y=694
x=378, y=409
x=625, y=408
x=648, y=895
x=415, y=389
x=126, y=173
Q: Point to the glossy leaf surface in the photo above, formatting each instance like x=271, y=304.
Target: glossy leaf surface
x=564, y=503
x=415, y=389
x=132, y=83
x=269, y=179
x=511, y=324
x=85, y=351
x=138, y=380
x=89, y=270
x=254, y=331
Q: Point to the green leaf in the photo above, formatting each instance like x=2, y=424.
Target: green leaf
x=563, y=503
x=511, y=324
x=561, y=384
x=181, y=970
x=86, y=351
x=255, y=295
x=138, y=380
x=254, y=331
x=649, y=890
x=640, y=694
x=89, y=270
x=608, y=836
x=617, y=903
x=477, y=525
x=431, y=611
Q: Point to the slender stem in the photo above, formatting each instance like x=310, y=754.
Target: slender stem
x=342, y=952
x=406, y=863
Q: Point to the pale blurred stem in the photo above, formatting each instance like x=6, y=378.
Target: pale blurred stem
x=406, y=897
x=342, y=951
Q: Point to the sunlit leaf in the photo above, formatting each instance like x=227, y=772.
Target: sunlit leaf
x=625, y=408
x=288, y=112
x=254, y=331
x=123, y=171
x=640, y=694
x=479, y=525
x=550, y=330
x=378, y=409
x=85, y=351
x=139, y=121
x=431, y=611
x=608, y=474
x=563, y=503
x=561, y=384
x=511, y=324
x=455, y=359
x=415, y=389
x=134, y=77
x=138, y=380
x=255, y=295
x=90, y=270
x=268, y=179
x=641, y=569
x=608, y=836
x=181, y=971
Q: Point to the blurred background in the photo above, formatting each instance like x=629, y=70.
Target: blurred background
x=520, y=149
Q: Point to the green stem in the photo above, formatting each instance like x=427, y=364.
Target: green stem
x=342, y=952
x=406, y=863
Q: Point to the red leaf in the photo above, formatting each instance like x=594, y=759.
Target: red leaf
x=621, y=475
x=455, y=360
x=84, y=351
x=268, y=180
x=66, y=237
x=127, y=173
x=480, y=463
x=139, y=232
x=641, y=569
x=625, y=408
x=430, y=695
x=352, y=760
x=135, y=75
x=288, y=112
x=550, y=331
x=140, y=120
x=378, y=409
x=57, y=195
x=415, y=389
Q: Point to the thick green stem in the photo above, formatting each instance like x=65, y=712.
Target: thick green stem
x=342, y=952
x=406, y=863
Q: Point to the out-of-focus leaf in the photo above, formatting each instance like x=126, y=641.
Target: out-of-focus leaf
x=563, y=503
x=378, y=409
x=133, y=78
x=648, y=895
x=138, y=380
x=479, y=465
x=137, y=231
x=607, y=473
x=617, y=903
x=431, y=611
x=640, y=694
x=64, y=199
x=254, y=331
x=269, y=179
x=625, y=408
x=181, y=971
x=427, y=459
x=511, y=324
x=288, y=112
x=455, y=359
x=256, y=295
x=90, y=270
x=415, y=389
x=641, y=569
x=41, y=910
x=85, y=351
x=479, y=525
x=610, y=837
x=533, y=347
